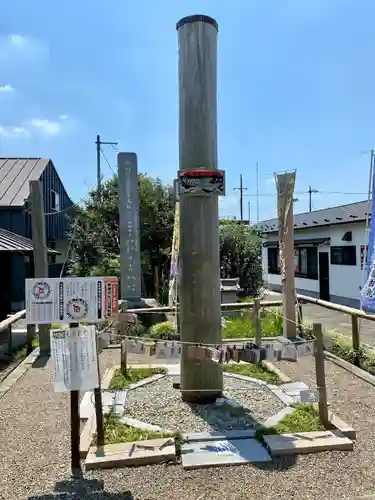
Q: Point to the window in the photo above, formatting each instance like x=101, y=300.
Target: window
x=273, y=260
x=344, y=256
x=55, y=201
x=305, y=262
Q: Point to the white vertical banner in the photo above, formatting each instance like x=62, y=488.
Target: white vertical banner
x=74, y=359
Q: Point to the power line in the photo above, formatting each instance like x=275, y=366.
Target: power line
x=106, y=159
x=241, y=189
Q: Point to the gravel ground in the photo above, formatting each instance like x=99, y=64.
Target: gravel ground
x=34, y=463
x=158, y=403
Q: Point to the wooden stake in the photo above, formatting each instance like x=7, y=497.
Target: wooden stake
x=124, y=356
x=355, y=340
x=40, y=253
x=257, y=323
x=74, y=427
x=320, y=374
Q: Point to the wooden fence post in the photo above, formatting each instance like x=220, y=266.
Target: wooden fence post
x=257, y=324
x=124, y=356
x=75, y=428
x=29, y=338
x=300, y=318
x=355, y=340
x=320, y=374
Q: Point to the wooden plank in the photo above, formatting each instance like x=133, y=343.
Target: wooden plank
x=307, y=442
x=129, y=454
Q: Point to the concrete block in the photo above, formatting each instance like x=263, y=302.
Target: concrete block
x=245, y=378
x=132, y=422
x=146, y=381
x=307, y=442
x=285, y=398
x=205, y=454
x=87, y=406
x=192, y=437
x=278, y=417
x=136, y=453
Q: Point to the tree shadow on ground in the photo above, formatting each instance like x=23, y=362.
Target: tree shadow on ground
x=81, y=489
x=248, y=421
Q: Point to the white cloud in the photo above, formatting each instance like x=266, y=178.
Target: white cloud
x=15, y=48
x=6, y=88
x=47, y=127
x=41, y=126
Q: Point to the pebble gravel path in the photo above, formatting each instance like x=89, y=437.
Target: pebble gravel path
x=159, y=404
x=34, y=458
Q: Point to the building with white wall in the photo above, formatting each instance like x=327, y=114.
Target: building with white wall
x=329, y=251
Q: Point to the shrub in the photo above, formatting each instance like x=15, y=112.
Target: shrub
x=241, y=257
x=164, y=331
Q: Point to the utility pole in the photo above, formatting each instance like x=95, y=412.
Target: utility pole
x=241, y=189
x=248, y=212
x=257, y=182
x=311, y=191
x=99, y=144
x=38, y=230
x=200, y=297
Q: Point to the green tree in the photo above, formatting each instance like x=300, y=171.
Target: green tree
x=95, y=232
x=241, y=256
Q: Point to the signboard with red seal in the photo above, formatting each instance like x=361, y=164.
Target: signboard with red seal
x=201, y=181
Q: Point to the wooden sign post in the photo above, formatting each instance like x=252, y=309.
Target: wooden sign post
x=74, y=427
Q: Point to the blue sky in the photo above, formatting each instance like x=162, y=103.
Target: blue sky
x=296, y=90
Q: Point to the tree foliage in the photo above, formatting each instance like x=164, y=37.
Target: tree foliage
x=95, y=239
x=95, y=232
x=241, y=256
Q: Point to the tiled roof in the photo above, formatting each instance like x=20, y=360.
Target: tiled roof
x=352, y=212
x=11, y=242
x=15, y=174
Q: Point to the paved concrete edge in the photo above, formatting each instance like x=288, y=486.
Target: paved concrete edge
x=17, y=373
x=272, y=368
x=354, y=370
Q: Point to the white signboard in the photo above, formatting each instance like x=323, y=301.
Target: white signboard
x=74, y=359
x=71, y=300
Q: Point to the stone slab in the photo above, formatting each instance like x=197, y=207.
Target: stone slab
x=146, y=381
x=245, y=378
x=307, y=442
x=130, y=454
x=285, y=398
x=174, y=370
x=192, y=437
x=277, y=418
x=272, y=368
x=204, y=454
x=132, y=422
x=87, y=405
x=342, y=426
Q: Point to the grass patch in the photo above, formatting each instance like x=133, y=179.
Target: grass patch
x=121, y=380
x=304, y=418
x=117, y=432
x=252, y=370
x=243, y=326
